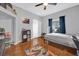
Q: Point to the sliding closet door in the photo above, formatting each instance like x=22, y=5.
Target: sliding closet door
x=62, y=24
x=50, y=25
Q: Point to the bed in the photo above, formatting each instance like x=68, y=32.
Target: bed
x=63, y=39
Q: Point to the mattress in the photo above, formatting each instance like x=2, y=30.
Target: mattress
x=62, y=39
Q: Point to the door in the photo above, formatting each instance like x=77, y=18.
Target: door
x=35, y=28
x=35, y=32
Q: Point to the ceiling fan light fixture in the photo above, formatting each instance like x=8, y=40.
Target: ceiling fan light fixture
x=45, y=4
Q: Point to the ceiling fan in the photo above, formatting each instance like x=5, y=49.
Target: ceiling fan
x=45, y=5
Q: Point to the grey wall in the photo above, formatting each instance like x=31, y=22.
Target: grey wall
x=71, y=20
x=21, y=14
x=15, y=25
x=6, y=22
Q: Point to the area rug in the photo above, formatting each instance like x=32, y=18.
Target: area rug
x=36, y=51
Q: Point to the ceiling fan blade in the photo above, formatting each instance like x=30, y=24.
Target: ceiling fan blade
x=38, y=4
x=44, y=7
x=52, y=3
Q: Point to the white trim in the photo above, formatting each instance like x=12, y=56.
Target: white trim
x=17, y=42
x=21, y=40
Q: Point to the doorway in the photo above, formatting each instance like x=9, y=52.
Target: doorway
x=35, y=28
x=35, y=32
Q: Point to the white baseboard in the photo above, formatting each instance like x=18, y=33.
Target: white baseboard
x=21, y=40
x=17, y=42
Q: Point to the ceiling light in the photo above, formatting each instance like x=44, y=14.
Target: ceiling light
x=45, y=4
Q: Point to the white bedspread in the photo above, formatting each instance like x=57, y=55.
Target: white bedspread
x=63, y=39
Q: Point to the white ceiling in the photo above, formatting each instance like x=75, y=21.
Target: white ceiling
x=40, y=11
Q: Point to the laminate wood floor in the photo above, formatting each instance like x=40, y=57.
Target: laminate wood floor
x=53, y=49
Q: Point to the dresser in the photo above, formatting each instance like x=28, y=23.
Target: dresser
x=26, y=34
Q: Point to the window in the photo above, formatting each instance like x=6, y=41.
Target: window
x=55, y=25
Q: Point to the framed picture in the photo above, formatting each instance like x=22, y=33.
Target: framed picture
x=26, y=21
